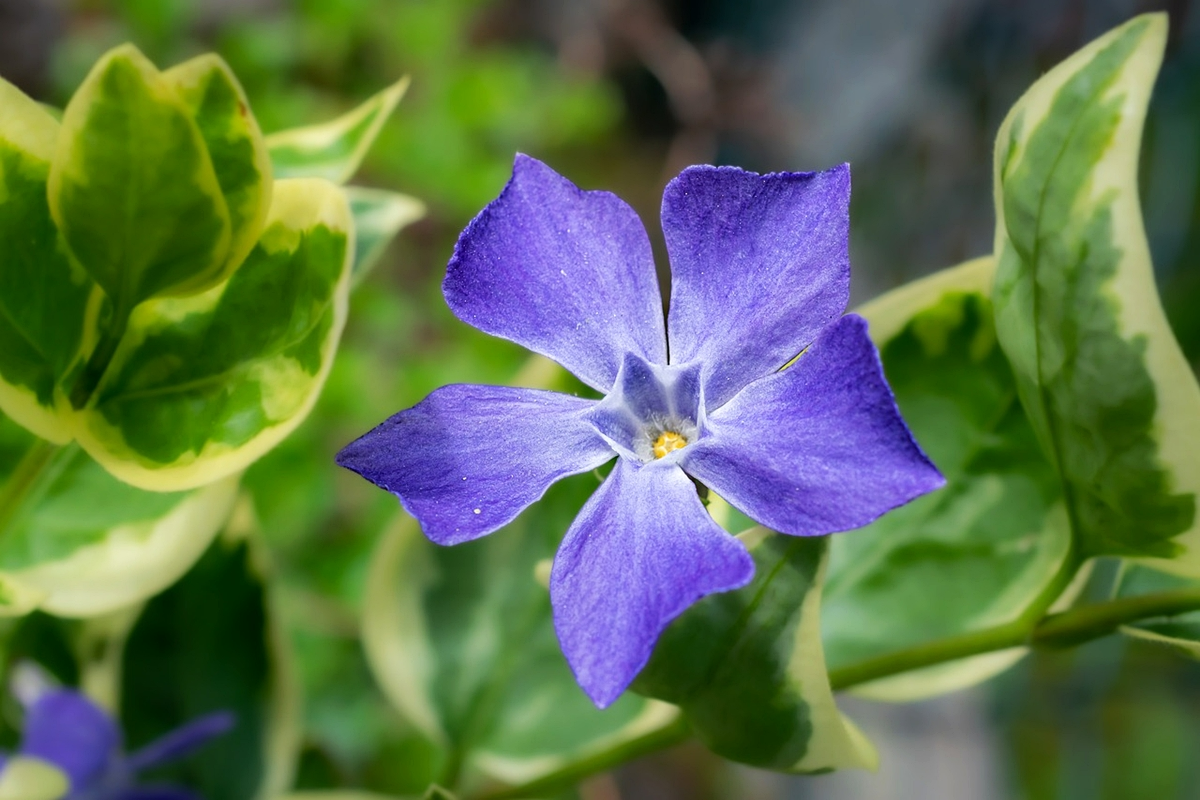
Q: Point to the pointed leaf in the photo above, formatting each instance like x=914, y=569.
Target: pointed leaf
x=334, y=150
x=210, y=643
x=203, y=386
x=235, y=145
x=132, y=187
x=1111, y=397
x=378, y=216
x=43, y=297
x=462, y=642
x=994, y=538
x=748, y=670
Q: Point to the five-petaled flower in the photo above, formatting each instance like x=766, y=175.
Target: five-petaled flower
x=64, y=728
x=759, y=274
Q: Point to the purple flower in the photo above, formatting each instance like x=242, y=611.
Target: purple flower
x=759, y=274
x=66, y=729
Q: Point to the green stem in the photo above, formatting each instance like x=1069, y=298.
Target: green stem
x=663, y=738
x=27, y=480
x=99, y=360
x=1100, y=619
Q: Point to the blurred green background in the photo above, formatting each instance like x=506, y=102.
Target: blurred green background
x=621, y=94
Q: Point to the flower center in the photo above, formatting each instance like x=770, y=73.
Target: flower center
x=667, y=442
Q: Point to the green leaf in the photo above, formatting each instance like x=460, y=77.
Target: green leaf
x=462, y=641
x=747, y=667
x=1180, y=632
x=26, y=778
x=334, y=150
x=202, y=386
x=86, y=544
x=132, y=187
x=43, y=297
x=994, y=539
x=378, y=216
x=211, y=643
x=235, y=145
x=1111, y=397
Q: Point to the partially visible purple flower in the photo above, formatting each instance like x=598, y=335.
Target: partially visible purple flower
x=65, y=728
x=759, y=274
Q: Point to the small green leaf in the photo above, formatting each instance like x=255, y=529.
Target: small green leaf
x=132, y=187
x=211, y=643
x=748, y=670
x=994, y=538
x=378, y=216
x=88, y=544
x=462, y=641
x=334, y=150
x=1180, y=632
x=1111, y=397
x=43, y=297
x=235, y=145
x=202, y=386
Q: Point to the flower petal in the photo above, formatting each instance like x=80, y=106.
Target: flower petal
x=468, y=459
x=759, y=266
x=181, y=741
x=73, y=733
x=566, y=273
x=640, y=552
x=817, y=448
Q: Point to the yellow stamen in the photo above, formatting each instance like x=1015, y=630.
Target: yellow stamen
x=666, y=442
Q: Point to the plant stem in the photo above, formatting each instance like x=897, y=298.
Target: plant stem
x=99, y=360
x=676, y=732
x=1057, y=630
x=28, y=475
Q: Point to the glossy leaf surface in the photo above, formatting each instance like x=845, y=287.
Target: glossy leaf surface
x=1111, y=398
x=132, y=187
x=203, y=386
x=993, y=539
x=43, y=297
x=461, y=640
x=747, y=666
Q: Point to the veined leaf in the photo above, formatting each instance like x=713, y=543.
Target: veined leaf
x=748, y=670
x=378, y=216
x=132, y=187
x=462, y=642
x=235, y=146
x=25, y=778
x=994, y=538
x=334, y=150
x=202, y=386
x=1180, y=632
x=87, y=543
x=1111, y=397
x=43, y=297
x=209, y=643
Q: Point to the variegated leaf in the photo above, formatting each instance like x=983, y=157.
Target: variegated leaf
x=378, y=216
x=462, y=642
x=748, y=670
x=235, y=145
x=83, y=543
x=26, y=778
x=132, y=187
x=43, y=296
x=1111, y=397
x=202, y=386
x=334, y=150
x=994, y=538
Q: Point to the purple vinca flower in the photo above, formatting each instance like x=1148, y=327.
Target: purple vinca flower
x=759, y=274
x=64, y=728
